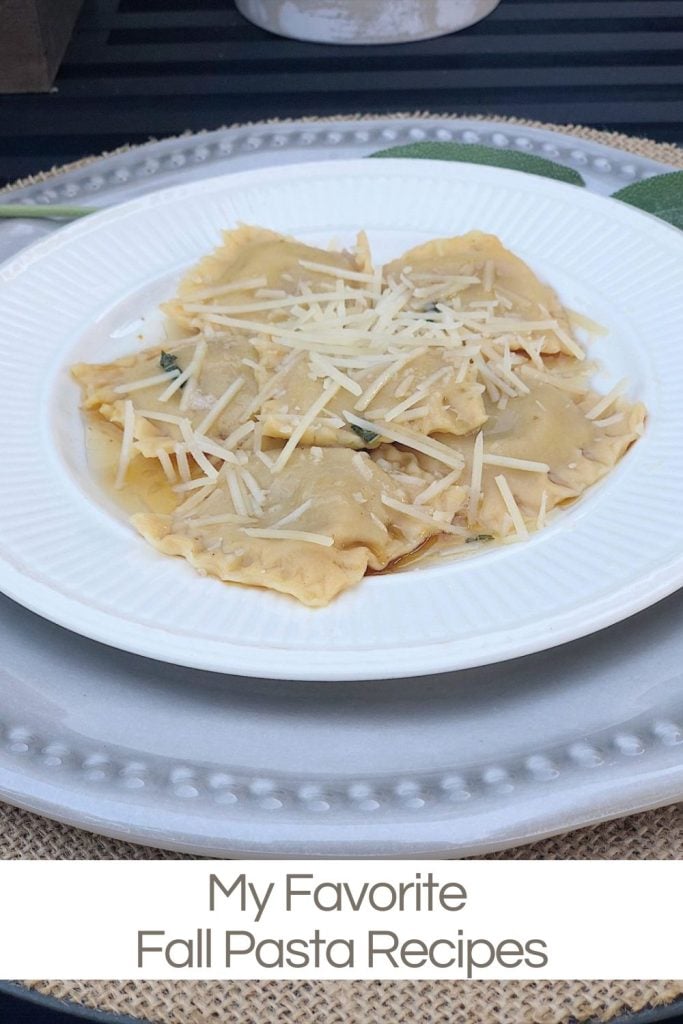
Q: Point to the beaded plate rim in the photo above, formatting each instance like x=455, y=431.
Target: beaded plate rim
x=343, y=136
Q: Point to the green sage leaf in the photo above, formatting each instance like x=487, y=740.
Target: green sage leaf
x=661, y=196
x=475, y=154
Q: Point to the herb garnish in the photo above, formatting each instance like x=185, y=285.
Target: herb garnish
x=367, y=435
x=169, y=363
x=431, y=307
x=479, y=536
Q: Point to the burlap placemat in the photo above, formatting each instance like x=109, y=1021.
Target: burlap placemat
x=367, y=1002
x=655, y=834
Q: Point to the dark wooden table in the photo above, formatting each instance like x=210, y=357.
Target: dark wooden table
x=141, y=68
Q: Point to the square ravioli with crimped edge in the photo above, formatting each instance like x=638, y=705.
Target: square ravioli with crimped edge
x=322, y=522
x=207, y=381
x=495, y=292
x=321, y=419
x=256, y=275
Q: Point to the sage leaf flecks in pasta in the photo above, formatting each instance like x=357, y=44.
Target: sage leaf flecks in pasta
x=365, y=435
x=169, y=363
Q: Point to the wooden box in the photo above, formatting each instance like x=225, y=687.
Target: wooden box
x=33, y=37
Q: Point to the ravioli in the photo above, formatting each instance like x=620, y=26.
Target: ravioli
x=225, y=366
x=325, y=419
x=329, y=517
x=427, y=386
x=221, y=284
x=476, y=269
x=547, y=427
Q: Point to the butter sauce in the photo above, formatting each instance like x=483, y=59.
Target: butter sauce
x=146, y=488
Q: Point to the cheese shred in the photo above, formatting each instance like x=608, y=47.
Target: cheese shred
x=512, y=507
x=308, y=538
x=126, y=443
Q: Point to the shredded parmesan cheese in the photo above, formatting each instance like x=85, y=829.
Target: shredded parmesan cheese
x=163, y=417
x=126, y=443
x=200, y=481
x=362, y=464
x=292, y=516
x=266, y=460
x=417, y=395
x=138, y=385
x=540, y=521
x=247, y=285
x=605, y=402
x=327, y=367
x=324, y=268
x=209, y=447
x=283, y=302
x=512, y=507
x=610, y=421
x=238, y=501
x=585, y=322
x=272, y=384
x=308, y=538
x=227, y=517
x=576, y=387
x=302, y=427
x=220, y=405
x=238, y=434
x=166, y=465
x=441, y=526
x=182, y=463
x=475, y=479
x=438, y=487
x=420, y=442
x=378, y=523
x=195, y=500
x=193, y=367
x=257, y=494
x=195, y=449
x=509, y=463
x=384, y=378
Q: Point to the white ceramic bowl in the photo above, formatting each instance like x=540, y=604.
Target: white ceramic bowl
x=361, y=22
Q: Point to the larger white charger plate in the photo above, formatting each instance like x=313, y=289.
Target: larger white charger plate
x=68, y=554
x=453, y=764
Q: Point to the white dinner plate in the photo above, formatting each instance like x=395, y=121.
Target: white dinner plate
x=67, y=553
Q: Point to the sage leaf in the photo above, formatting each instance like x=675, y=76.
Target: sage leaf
x=366, y=435
x=475, y=154
x=661, y=196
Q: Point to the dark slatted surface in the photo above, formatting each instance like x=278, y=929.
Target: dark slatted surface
x=137, y=68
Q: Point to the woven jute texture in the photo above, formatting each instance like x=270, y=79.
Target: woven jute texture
x=653, y=835
x=656, y=834
x=367, y=1002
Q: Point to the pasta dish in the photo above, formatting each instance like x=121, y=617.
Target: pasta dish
x=313, y=418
